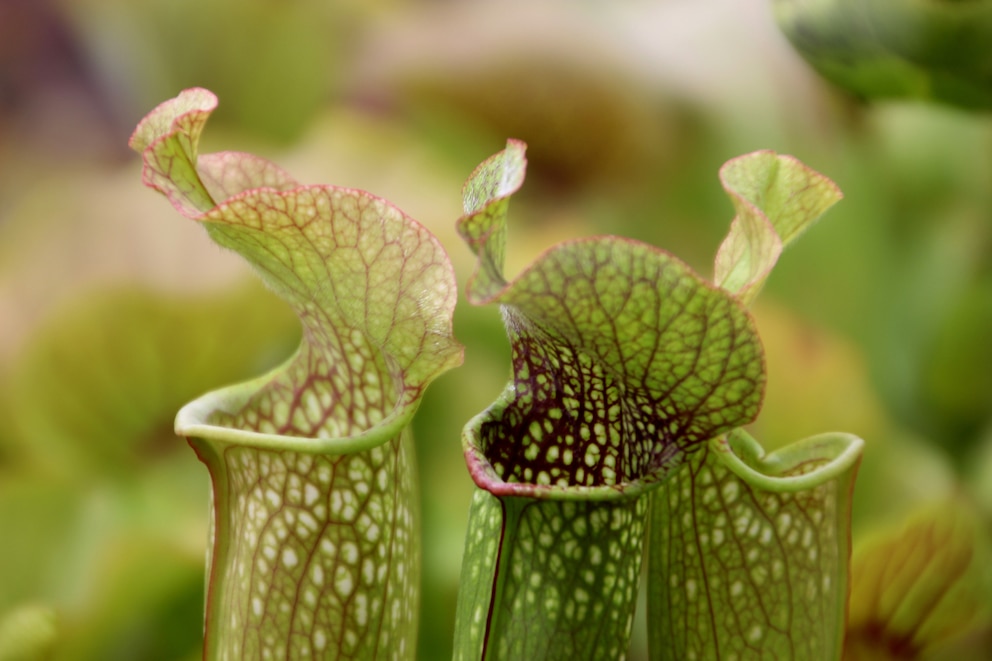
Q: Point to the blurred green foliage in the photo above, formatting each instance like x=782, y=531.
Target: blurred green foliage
x=878, y=323
x=929, y=49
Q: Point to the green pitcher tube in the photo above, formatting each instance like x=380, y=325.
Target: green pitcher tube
x=548, y=572
x=749, y=552
x=312, y=553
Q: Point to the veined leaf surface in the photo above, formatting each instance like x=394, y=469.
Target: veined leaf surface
x=776, y=199
x=315, y=550
x=749, y=552
x=624, y=361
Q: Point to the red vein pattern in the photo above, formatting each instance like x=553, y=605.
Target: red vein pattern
x=624, y=361
x=314, y=549
x=743, y=572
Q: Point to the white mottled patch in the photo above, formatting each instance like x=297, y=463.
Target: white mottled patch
x=310, y=494
x=349, y=552
x=361, y=609
x=344, y=582
x=691, y=589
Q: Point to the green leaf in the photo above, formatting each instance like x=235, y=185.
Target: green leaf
x=624, y=362
x=776, y=198
x=315, y=549
x=749, y=551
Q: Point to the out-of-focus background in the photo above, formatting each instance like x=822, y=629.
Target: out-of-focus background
x=115, y=310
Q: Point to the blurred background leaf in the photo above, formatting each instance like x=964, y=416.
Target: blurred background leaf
x=922, y=591
x=929, y=49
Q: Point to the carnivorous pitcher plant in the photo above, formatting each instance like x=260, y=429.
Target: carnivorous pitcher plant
x=314, y=546
x=631, y=379
x=620, y=435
